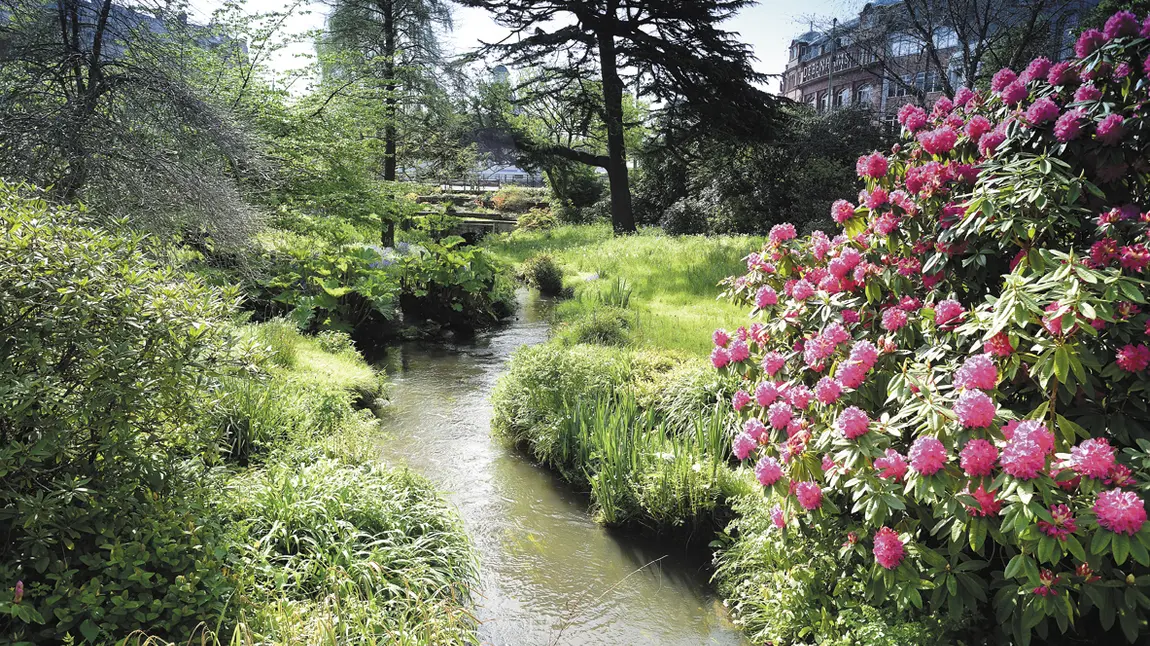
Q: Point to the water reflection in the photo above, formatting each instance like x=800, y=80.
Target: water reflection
x=549, y=575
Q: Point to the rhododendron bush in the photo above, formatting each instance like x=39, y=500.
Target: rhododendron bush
x=959, y=377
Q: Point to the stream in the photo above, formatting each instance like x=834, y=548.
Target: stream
x=548, y=573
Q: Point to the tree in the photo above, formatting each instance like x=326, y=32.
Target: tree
x=389, y=47
x=588, y=52
x=108, y=104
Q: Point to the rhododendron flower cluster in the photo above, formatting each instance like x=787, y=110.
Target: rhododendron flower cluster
x=888, y=548
x=983, y=301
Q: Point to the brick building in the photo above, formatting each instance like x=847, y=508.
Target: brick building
x=867, y=62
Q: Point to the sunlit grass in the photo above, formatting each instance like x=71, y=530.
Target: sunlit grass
x=673, y=279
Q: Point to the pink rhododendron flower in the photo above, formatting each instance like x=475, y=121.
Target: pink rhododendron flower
x=777, y=518
x=927, y=455
x=1063, y=524
x=1042, y=110
x=977, y=372
x=802, y=290
x=773, y=362
x=765, y=297
x=1123, y=23
x=842, y=210
x=1121, y=512
x=1037, y=70
x=1086, y=93
x=768, y=471
x=766, y=394
x=827, y=391
x=893, y=319
x=1069, y=125
x=912, y=117
x=988, y=503
x=809, y=494
x=1134, y=258
x=739, y=351
x=865, y=353
x=990, y=141
x=780, y=414
x=1001, y=79
x=720, y=357
x=1062, y=73
x=939, y=141
x=756, y=430
x=743, y=445
x=1014, y=93
x=1121, y=71
x=888, y=548
x=963, y=96
x=799, y=396
x=999, y=345
x=853, y=423
x=780, y=233
x=886, y=223
x=948, y=311
x=975, y=409
x=1047, y=580
x=851, y=374
x=942, y=106
x=892, y=466
x=1088, y=41
x=1025, y=454
x=1134, y=358
x=1120, y=476
x=740, y=400
x=877, y=198
x=873, y=165
x=978, y=458
x=1111, y=130
x=977, y=126
x=721, y=338
x=1093, y=458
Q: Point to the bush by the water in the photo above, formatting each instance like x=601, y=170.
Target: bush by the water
x=957, y=383
x=120, y=377
x=538, y=220
x=543, y=273
x=100, y=352
x=518, y=199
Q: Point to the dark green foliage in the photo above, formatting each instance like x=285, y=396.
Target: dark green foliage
x=721, y=185
x=455, y=285
x=787, y=588
x=101, y=348
x=543, y=273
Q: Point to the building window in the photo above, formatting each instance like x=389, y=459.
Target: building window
x=904, y=45
x=945, y=38
x=843, y=97
x=900, y=89
x=822, y=101
x=865, y=95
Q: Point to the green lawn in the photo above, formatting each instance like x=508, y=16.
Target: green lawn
x=673, y=279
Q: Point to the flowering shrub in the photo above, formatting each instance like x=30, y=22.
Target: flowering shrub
x=976, y=346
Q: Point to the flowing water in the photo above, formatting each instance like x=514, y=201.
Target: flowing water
x=548, y=573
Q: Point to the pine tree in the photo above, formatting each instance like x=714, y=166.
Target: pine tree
x=671, y=51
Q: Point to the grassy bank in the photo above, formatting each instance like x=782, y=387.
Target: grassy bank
x=326, y=548
x=670, y=281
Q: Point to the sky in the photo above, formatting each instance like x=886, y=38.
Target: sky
x=768, y=27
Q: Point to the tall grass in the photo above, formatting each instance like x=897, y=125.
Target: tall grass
x=672, y=280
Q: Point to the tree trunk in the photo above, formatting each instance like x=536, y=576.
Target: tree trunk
x=622, y=219
x=387, y=7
